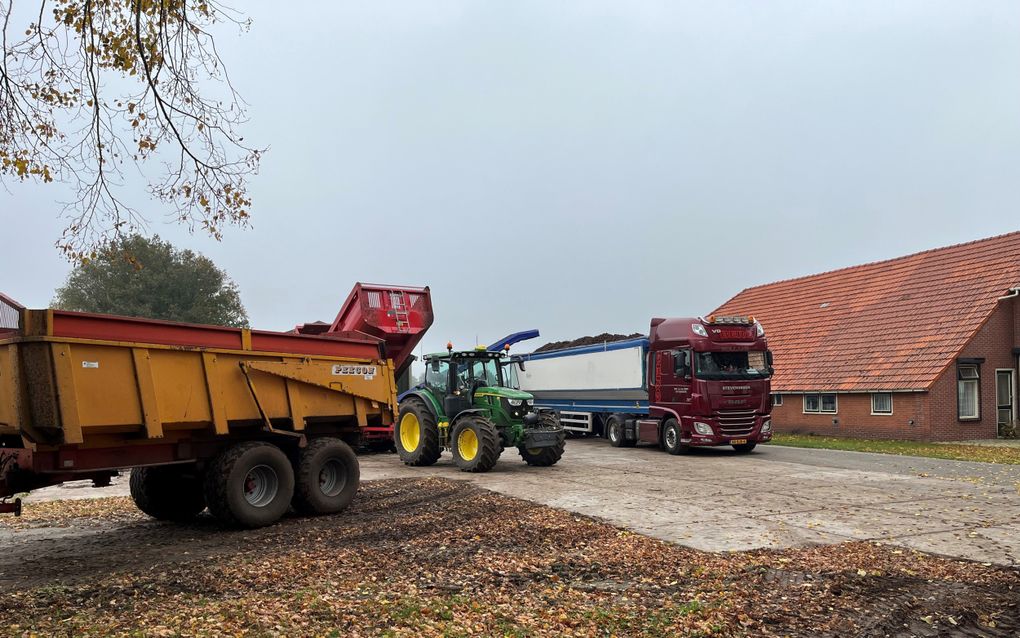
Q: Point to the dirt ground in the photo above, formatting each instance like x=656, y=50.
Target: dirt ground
x=437, y=557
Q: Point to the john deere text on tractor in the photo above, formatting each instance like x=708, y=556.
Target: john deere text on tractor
x=470, y=404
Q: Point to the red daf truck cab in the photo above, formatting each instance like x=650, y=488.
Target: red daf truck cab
x=708, y=384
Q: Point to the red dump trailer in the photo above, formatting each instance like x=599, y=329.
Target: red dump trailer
x=244, y=422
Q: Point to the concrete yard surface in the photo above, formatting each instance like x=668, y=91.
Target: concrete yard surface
x=774, y=497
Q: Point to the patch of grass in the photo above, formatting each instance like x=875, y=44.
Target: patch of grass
x=951, y=451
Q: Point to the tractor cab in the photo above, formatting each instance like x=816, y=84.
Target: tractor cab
x=469, y=404
x=475, y=379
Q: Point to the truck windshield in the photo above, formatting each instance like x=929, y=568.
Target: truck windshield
x=731, y=365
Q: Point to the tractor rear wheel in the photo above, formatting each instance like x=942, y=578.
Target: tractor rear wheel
x=416, y=434
x=326, y=477
x=546, y=456
x=168, y=492
x=475, y=443
x=250, y=485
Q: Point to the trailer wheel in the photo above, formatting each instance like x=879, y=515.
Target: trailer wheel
x=671, y=435
x=250, y=485
x=168, y=492
x=475, y=443
x=416, y=434
x=545, y=456
x=616, y=433
x=326, y=477
x=744, y=448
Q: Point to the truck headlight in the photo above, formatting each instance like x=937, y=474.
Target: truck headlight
x=766, y=427
x=702, y=428
x=515, y=402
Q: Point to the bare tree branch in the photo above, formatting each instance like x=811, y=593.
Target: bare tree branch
x=93, y=85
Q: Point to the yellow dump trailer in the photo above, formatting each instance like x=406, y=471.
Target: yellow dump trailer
x=246, y=423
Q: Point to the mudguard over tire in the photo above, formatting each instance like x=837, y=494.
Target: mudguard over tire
x=168, y=492
x=416, y=433
x=475, y=443
x=249, y=485
x=546, y=456
x=326, y=477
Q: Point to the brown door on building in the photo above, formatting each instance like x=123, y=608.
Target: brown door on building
x=1004, y=396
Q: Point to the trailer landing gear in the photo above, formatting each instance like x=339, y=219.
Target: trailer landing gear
x=11, y=508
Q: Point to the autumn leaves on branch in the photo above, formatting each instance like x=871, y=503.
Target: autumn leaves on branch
x=89, y=87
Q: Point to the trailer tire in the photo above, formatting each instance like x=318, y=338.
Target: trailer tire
x=475, y=443
x=672, y=436
x=616, y=433
x=326, y=477
x=250, y=485
x=168, y=492
x=546, y=456
x=415, y=434
x=745, y=448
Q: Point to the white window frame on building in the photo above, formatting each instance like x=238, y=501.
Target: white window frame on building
x=877, y=412
x=968, y=379
x=820, y=398
x=777, y=399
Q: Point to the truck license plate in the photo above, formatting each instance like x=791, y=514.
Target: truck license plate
x=738, y=441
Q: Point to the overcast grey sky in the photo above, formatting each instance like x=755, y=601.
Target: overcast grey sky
x=580, y=167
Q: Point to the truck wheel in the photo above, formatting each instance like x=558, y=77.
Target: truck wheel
x=546, y=456
x=615, y=432
x=326, y=477
x=250, y=485
x=416, y=434
x=475, y=444
x=671, y=434
x=168, y=492
x=744, y=448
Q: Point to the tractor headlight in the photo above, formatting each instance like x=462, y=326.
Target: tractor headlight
x=515, y=402
x=702, y=428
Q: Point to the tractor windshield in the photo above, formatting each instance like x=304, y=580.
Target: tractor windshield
x=510, y=379
x=485, y=371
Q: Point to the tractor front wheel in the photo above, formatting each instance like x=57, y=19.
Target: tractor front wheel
x=546, y=456
x=476, y=444
x=416, y=434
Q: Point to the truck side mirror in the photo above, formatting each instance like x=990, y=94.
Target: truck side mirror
x=768, y=357
x=520, y=364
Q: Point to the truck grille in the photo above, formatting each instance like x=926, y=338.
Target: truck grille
x=735, y=422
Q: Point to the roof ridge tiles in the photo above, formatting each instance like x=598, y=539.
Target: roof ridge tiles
x=865, y=265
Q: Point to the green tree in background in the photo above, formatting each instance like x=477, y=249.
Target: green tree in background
x=147, y=277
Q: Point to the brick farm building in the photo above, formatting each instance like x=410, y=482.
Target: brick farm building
x=920, y=347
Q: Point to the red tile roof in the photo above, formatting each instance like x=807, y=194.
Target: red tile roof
x=888, y=325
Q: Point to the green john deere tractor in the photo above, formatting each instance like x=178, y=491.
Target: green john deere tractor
x=469, y=405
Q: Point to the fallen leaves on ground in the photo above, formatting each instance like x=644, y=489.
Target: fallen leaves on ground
x=433, y=557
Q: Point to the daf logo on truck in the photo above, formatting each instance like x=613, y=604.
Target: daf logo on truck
x=672, y=388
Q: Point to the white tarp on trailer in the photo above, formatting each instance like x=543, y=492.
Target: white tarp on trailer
x=601, y=370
